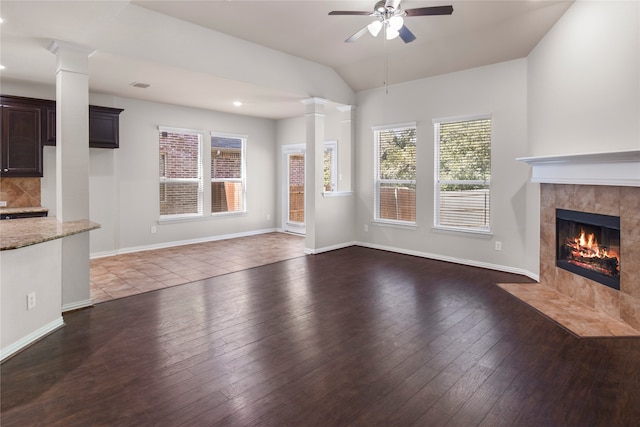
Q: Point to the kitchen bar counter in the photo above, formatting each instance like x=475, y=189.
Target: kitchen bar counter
x=31, y=277
x=18, y=233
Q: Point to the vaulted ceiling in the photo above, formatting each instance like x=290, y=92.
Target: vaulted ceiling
x=267, y=54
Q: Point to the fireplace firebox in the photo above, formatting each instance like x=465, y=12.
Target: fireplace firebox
x=588, y=244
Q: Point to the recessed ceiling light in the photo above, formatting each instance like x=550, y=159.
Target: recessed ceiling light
x=237, y=103
x=1, y=20
x=140, y=85
x=2, y=67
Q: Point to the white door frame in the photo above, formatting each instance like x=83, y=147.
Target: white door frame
x=287, y=226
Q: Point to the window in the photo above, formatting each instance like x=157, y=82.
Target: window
x=181, y=184
x=163, y=174
x=330, y=166
x=227, y=173
x=463, y=173
x=395, y=174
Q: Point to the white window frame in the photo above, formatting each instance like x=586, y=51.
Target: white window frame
x=376, y=176
x=331, y=146
x=437, y=182
x=243, y=171
x=199, y=179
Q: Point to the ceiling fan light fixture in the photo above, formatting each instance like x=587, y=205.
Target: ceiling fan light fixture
x=396, y=22
x=391, y=33
x=374, y=28
x=389, y=16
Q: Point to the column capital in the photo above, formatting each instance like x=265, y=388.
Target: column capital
x=56, y=45
x=315, y=100
x=346, y=108
x=71, y=57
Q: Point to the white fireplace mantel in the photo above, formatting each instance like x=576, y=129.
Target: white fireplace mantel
x=611, y=168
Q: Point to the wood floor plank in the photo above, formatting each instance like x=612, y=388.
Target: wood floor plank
x=352, y=337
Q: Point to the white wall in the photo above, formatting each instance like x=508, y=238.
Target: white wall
x=499, y=89
x=584, y=81
x=583, y=89
x=136, y=169
x=334, y=215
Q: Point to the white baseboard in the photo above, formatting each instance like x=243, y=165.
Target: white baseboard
x=76, y=305
x=329, y=248
x=30, y=339
x=164, y=245
x=471, y=263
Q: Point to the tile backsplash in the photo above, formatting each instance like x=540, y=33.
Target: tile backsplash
x=20, y=192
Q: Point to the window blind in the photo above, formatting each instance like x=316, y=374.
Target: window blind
x=463, y=174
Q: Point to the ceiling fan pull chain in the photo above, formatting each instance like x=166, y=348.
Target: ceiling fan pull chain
x=386, y=66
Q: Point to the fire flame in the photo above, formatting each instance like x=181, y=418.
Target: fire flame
x=586, y=246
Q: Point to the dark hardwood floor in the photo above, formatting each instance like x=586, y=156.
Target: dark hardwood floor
x=351, y=337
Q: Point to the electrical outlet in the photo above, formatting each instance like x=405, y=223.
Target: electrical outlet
x=366, y=228
x=268, y=217
x=3, y=204
x=153, y=229
x=498, y=246
x=31, y=300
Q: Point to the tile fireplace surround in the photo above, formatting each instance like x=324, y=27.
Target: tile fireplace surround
x=608, y=184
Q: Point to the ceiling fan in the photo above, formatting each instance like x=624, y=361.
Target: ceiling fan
x=390, y=17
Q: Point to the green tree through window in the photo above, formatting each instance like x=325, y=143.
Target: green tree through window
x=395, y=174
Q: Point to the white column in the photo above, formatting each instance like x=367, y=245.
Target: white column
x=72, y=166
x=313, y=184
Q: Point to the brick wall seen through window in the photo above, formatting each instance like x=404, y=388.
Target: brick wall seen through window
x=180, y=173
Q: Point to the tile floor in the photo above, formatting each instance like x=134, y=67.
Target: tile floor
x=571, y=314
x=129, y=274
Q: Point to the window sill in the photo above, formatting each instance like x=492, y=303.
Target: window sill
x=394, y=224
x=198, y=217
x=227, y=214
x=337, y=193
x=483, y=234
x=174, y=219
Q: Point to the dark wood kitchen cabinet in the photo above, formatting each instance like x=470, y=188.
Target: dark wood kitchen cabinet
x=28, y=123
x=21, y=131
x=49, y=122
x=104, y=126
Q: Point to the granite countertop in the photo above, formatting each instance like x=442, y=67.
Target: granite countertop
x=4, y=210
x=18, y=233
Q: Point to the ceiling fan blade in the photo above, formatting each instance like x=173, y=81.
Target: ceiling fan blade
x=433, y=10
x=406, y=35
x=357, y=35
x=348, y=12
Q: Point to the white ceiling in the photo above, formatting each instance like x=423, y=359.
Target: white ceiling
x=477, y=33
